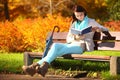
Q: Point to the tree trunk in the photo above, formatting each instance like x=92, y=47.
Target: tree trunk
x=6, y=10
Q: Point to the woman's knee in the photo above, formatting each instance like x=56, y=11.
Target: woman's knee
x=57, y=45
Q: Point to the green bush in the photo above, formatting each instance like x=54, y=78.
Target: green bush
x=114, y=9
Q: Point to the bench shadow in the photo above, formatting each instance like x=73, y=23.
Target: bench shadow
x=107, y=42
x=81, y=75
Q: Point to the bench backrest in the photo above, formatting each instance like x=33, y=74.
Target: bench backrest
x=102, y=44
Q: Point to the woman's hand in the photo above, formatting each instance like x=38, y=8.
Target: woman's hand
x=97, y=29
x=79, y=37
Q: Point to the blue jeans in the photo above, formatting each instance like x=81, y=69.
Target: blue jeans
x=60, y=49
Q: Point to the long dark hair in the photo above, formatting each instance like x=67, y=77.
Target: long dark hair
x=78, y=8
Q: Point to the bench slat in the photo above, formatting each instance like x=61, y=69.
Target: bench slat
x=63, y=35
x=90, y=57
x=38, y=55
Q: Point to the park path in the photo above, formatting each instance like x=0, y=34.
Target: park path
x=37, y=77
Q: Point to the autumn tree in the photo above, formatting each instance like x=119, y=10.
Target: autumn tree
x=5, y=8
x=44, y=7
x=34, y=8
x=114, y=9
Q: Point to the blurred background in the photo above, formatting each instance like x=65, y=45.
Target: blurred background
x=24, y=24
x=98, y=9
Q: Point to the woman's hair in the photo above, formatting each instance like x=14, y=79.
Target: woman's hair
x=78, y=8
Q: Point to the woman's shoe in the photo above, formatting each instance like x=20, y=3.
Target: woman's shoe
x=42, y=70
x=31, y=70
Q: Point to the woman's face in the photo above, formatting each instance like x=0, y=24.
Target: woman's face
x=79, y=15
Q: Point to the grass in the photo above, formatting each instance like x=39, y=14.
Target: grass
x=12, y=63
x=104, y=53
x=106, y=76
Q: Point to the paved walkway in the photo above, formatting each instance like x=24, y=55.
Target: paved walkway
x=38, y=77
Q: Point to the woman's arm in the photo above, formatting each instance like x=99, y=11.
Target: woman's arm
x=96, y=25
x=99, y=28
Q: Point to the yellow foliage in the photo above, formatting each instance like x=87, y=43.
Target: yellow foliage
x=29, y=34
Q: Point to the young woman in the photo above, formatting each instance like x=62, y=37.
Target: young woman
x=76, y=44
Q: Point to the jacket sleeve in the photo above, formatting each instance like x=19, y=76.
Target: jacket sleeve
x=70, y=36
x=96, y=24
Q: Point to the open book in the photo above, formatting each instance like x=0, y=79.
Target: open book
x=80, y=32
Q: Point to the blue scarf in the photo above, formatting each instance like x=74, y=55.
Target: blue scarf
x=81, y=24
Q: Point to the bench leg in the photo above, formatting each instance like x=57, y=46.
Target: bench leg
x=114, y=65
x=27, y=59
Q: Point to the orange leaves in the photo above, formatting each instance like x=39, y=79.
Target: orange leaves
x=9, y=36
x=62, y=22
x=113, y=25
x=29, y=34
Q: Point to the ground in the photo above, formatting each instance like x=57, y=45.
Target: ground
x=38, y=77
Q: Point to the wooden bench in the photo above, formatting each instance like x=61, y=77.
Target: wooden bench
x=100, y=45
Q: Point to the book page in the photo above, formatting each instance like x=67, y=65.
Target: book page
x=79, y=32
